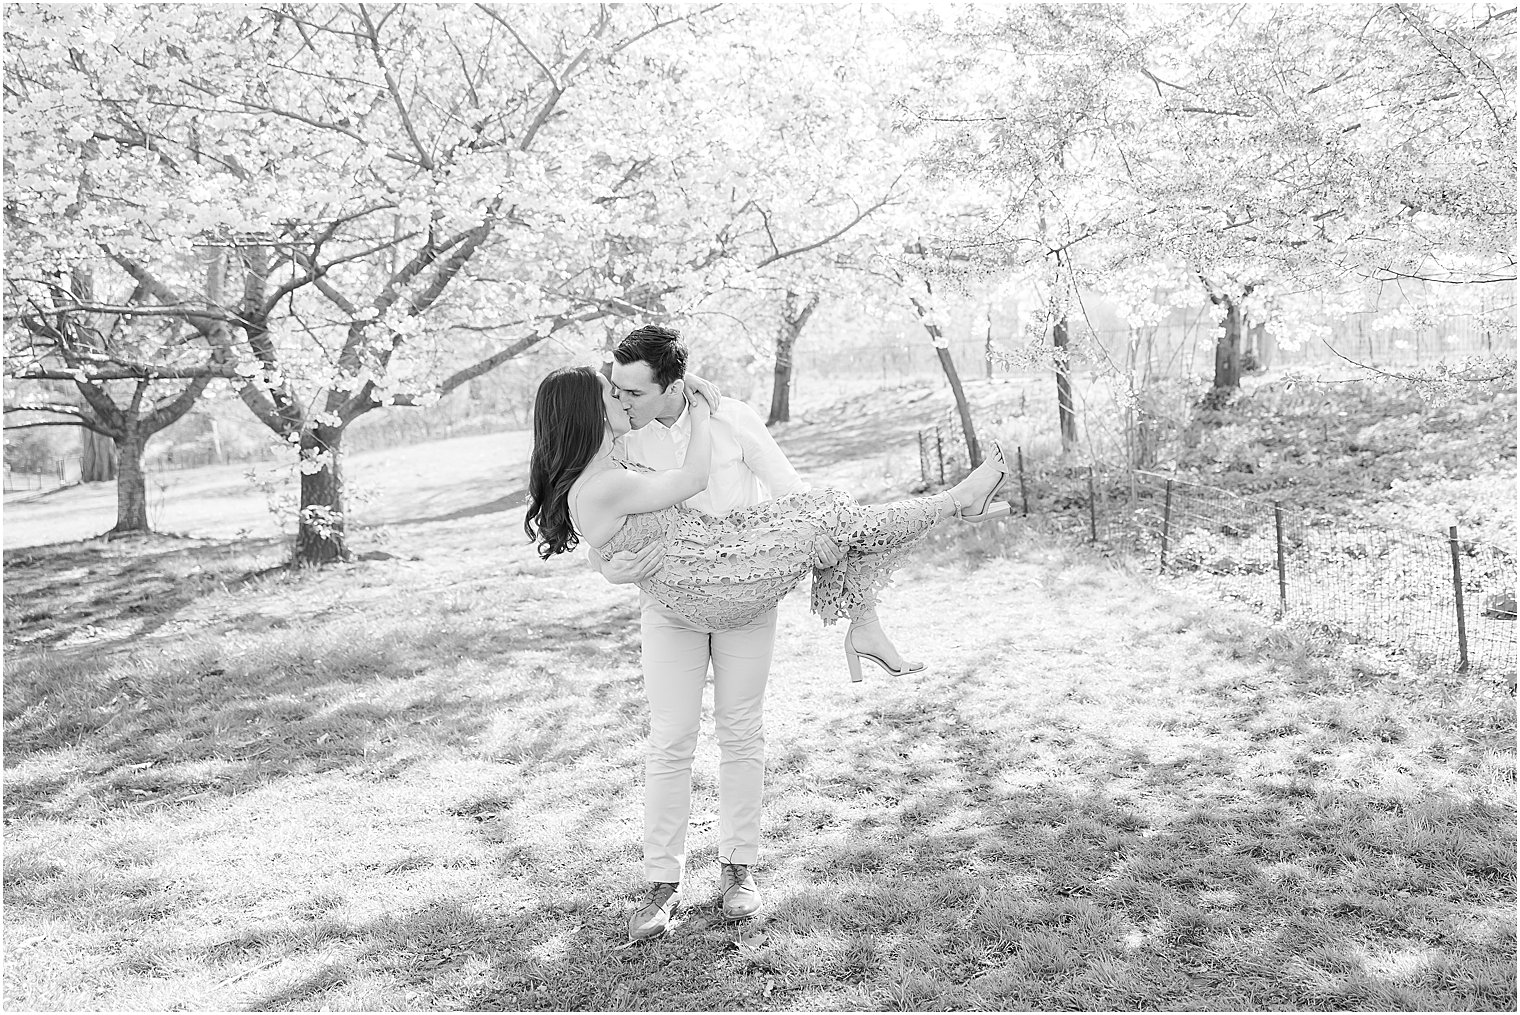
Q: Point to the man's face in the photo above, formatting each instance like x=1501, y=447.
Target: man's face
x=617, y=416
x=642, y=397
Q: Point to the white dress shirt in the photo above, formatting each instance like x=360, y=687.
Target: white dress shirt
x=747, y=465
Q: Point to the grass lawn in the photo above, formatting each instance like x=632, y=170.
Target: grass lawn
x=414, y=783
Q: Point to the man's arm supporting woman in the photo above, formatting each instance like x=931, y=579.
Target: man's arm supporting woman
x=762, y=455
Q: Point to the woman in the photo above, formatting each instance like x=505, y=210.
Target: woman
x=722, y=572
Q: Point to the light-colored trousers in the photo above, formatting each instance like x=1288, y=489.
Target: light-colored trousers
x=676, y=654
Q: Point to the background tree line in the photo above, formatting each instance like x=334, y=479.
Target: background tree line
x=331, y=209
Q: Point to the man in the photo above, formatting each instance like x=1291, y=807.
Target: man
x=747, y=467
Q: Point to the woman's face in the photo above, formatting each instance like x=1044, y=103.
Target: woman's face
x=617, y=416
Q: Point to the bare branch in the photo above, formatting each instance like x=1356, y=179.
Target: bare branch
x=61, y=408
x=1383, y=274
x=1159, y=81
x=457, y=259
x=180, y=310
x=394, y=89
x=144, y=372
x=501, y=20
x=316, y=274
x=323, y=286
x=203, y=321
x=561, y=82
x=1506, y=370
x=861, y=217
x=1419, y=29
x=663, y=24
x=765, y=220
x=168, y=413
x=84, y=423
x=637, y=167
x=516, y=348
x=422, y=259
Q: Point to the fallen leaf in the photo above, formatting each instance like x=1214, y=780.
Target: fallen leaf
x=749, y=942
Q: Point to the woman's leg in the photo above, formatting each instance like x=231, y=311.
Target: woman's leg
x=880, y=527
x=876, y=538
x=868, y=637
x=976, y=490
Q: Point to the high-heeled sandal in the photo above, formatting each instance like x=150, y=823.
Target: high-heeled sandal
x=853, y=655
x=987, y=510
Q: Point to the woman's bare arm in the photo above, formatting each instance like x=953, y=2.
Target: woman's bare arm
x=607, y=499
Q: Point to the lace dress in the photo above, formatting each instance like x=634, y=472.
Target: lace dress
x=723, y=572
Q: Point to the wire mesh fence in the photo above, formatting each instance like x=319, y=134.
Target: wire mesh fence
x=54, y=472
x=1447, y=599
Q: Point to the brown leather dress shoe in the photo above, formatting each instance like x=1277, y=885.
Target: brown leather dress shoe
x=740, y=894
x=652, y=918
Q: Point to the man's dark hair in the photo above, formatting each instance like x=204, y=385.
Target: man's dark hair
x=660, y=347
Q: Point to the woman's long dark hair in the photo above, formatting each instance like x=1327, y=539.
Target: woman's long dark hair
x=568, y=425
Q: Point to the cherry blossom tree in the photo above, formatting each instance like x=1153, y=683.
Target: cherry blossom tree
x=1313, y=149
x=131, y=364
x=817, y=109
x=1269, y=152
x=406, y=196
x=1031, y=108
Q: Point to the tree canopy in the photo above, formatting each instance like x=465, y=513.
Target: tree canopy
x=339, y=207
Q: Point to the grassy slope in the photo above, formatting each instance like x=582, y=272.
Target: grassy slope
x=1371, y=452
x=415, y=784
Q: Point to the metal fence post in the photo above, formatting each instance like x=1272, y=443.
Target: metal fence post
x=1166, y=522
x=939, y=451
x=1023, y=491
x=1092, y=504
x=1282, y=563
x=1456, y=581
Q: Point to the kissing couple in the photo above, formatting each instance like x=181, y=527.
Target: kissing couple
x=694, y=502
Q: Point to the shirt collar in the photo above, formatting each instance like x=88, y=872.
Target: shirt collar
x=680, y=428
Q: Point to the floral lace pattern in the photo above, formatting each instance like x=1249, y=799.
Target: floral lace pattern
x=725, y=572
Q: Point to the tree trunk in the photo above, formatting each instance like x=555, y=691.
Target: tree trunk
x=1066, y=409
x=1227, y=348
x=1259, y=345
x=131, y=487
x=968, y=428
x=947, y=364
x=322, y=536
x=781, y=382
x=97, y=463
x=987, y=344
x=793, y=319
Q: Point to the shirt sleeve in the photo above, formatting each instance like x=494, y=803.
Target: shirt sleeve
x=761, y=453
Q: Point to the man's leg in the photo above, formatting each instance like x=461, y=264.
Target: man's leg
x=741, y=666
x=675, y=659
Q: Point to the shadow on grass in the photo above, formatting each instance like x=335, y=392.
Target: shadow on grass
x=945, y=855
x=551, y=956
x=1059, y=902
x=216, y=716
x=1190, y=883
x=1234, y=873
x=127, y=588
x=516, y=499
x=862, y=428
